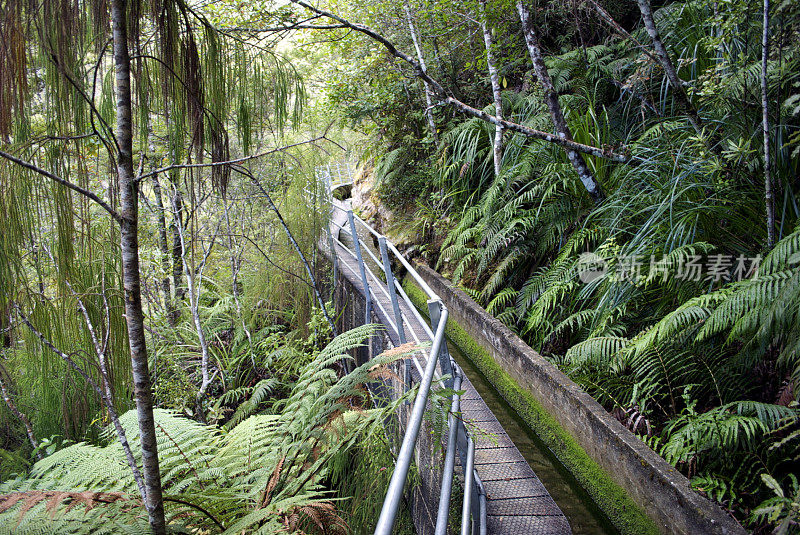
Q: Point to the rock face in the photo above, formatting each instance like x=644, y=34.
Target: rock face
x=396, y=226
x=365, y=199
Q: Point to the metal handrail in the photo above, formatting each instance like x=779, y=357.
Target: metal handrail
x=325, y=173
x=474, y=501
x=449, y=460
x=394, y=493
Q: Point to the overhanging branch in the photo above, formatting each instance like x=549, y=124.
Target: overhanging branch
x=465, y=108
x=63, y=182
x=230, y=162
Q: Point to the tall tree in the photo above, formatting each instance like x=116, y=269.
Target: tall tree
x=415, y=38
x=551, y=99
x=494, y=77
x=768, y=194
x=129, y=242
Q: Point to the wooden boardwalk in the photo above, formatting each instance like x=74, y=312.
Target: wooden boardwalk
x=517, y=502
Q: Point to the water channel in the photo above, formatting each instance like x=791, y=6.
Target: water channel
x=583, y=515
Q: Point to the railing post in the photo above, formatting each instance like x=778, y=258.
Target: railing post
x=334, y=261
x=387, y=270
x=449, y=460
x=398, y=316
x=466, y=509
x=435, y=313
x=394, y=494
x=357, y=247
x=482, y=515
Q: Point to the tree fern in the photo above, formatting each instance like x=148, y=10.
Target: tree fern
x=263, y=474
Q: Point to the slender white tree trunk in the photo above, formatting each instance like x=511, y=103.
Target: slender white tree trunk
x=104, y=393
x=20, y=416
x=551, y=99
x=496, y=89
x=768, y=194
x=163, y=241
x=669, y=67
x=194, y=281
x=129, y=228
x=421, y=58
x=235, y=266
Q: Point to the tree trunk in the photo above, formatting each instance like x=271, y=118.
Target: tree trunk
x=194, y=281
x=551, y=98
x=21, y=417
x=669, y=68
x=495, y=79
x=163, y=245
x=428, y=91
x=177, y=261
x=765, y=127
x=235, y=266
x=129, y=243
x=466, y=109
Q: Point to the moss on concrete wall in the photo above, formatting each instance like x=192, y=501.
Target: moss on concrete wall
x=626, y=516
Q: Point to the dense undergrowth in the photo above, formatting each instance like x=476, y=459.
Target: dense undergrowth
x=667, y=300
x=286, y=468
x=664, y=301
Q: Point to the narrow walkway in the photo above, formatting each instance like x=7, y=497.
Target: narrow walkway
x=516, y=501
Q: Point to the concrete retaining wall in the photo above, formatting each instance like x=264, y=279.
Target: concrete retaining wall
x=653, y=485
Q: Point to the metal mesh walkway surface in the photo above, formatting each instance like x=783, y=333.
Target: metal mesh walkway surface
x=502, y=493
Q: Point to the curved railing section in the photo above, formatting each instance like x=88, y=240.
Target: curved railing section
x=335, y=174
x=447, y=374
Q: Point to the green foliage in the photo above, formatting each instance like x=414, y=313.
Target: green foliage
x=399, y=178
x=782, y=510
x=709, y=363
x=261, y=475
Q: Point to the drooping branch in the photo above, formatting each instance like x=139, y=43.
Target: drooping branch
x=303, y=24
x=106, y=394
x=12, y=406
x=94, y=112
x=271, y=262
x=295, y=245
x=103, y=393
x=74, y=187
x=465, y=108
x=66, y=358
x=230, y=162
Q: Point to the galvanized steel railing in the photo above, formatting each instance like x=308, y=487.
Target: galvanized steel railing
x=335, y=174
x=459, y=439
